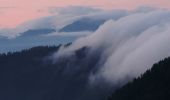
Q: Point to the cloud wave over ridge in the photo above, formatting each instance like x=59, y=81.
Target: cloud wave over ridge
x=130, y=45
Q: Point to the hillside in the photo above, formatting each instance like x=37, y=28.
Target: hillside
x=154, y=84
x=84, y=24
x=33, y=75
x=36, y=32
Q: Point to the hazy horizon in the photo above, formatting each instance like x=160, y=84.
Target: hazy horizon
x=18, y=12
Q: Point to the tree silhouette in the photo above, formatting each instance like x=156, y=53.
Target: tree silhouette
x=154, y=84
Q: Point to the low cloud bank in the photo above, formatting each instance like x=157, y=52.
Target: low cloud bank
x=61, y=17
x=129, y=45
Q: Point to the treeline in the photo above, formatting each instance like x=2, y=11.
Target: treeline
x=24, y=74
x=154, y=84
x=32, y=74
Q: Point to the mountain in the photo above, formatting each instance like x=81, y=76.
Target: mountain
x=36, y=32
x=154, y=84
x=32, y=38
x=83, y=24
x=37, y=37
x=33, y=75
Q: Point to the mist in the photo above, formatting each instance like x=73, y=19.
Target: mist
x=60, y=17
x=128, y=45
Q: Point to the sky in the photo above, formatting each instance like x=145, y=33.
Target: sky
x=15, y=12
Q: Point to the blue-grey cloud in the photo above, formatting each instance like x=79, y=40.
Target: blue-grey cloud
x=73, y=10
x=62, y=20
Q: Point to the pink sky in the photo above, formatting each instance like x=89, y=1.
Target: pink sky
x=15, y=12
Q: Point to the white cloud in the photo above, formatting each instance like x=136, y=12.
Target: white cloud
x=130, y=45
x=64, y=17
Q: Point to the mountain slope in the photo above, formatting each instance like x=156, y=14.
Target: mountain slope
x=152, y=85
x=37, y=32
x=33, y=75
x=32, y=38
x=84, y=24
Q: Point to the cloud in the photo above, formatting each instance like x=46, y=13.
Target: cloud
x=129, y=44
x=73, y=10
x=144, y=42
x=50, y=22
x=75, y=34
x=138, y=54
x=64, y=17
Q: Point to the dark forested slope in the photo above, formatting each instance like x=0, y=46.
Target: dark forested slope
x=32, y=75
x=23, y=75
x=154, y=84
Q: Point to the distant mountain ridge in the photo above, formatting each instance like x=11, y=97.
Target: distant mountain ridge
x=84, y=24
x=36, y=32
x=36, y=37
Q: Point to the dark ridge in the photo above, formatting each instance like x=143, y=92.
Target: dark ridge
x=154, y=84
x=30, y=75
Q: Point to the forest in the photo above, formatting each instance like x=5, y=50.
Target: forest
x=32, y=74
x=154, y=84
